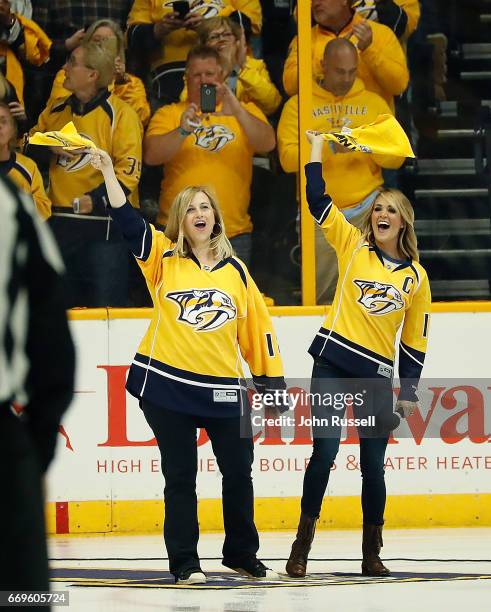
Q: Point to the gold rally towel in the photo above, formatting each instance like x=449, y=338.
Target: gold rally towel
x=67, y=138
x=384, y=136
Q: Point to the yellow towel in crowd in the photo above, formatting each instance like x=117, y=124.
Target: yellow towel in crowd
x=67, y=138
x=384, y=136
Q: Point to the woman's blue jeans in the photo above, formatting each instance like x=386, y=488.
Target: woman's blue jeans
x=325, y=449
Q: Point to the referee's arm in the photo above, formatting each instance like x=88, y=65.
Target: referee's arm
x=49, y=351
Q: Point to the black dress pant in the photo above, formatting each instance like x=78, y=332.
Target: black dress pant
x=176, y=437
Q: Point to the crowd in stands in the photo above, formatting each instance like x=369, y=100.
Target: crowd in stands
x=129, y=74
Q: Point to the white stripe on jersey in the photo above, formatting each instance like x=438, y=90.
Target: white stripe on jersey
x=186, y=381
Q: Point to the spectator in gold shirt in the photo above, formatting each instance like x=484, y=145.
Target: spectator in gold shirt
x=214, y=149
x=382, y=62
x=353, y=178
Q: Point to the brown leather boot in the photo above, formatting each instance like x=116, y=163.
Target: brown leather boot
x=296, y=565
x=372, y=543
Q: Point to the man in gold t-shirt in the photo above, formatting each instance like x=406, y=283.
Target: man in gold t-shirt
x=213, y=149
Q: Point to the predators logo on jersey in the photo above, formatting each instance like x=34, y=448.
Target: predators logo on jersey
x=206, y=9
x=379, y=298
x=73, y=164
x=213, y=137
x=366, y=8
x=204, y=309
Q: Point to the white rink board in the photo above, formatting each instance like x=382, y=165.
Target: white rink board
x=114, y=459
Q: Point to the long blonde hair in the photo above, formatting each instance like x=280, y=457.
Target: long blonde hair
x=219, y=243
x=407, y=242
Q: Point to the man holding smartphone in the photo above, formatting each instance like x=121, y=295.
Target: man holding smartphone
x=201, y=146
x=165, y=31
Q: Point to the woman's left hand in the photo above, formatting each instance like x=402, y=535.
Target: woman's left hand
x=405, y=408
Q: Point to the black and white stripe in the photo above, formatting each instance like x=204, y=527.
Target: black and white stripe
x=20, y=223
x=36, y=351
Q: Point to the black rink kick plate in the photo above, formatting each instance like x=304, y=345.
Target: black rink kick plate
x=156, y=579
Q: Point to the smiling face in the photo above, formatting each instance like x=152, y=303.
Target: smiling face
x=387, y=223
x=199, y=220
x=222, y=39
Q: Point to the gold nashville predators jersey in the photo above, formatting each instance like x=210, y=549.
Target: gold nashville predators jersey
x=132, y=91
x=371, y=301
x=202, y=322
x=112, y=125
x=24, y=172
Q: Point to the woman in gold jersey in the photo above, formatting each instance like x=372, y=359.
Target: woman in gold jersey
x=187, y=373
x=382, y=287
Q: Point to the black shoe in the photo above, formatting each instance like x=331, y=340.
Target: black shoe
x=194, y=575
x=252, y=568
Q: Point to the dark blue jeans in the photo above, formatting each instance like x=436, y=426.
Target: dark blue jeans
x=96, y=261
x=242, y=245
x=176, y=437
x=325, y=449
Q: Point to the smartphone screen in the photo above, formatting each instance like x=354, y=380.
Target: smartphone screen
x=208, y=98
x=181, y=7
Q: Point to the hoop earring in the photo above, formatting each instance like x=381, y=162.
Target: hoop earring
x=217, y=229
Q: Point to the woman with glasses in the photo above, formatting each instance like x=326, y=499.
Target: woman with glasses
x=247, y=77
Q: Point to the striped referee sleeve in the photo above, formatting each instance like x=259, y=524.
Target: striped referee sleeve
x=36, y=349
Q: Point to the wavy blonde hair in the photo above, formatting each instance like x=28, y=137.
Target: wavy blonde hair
x=219, y=243
x=407, y=242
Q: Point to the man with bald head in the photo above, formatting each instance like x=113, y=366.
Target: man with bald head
x=382, y=62
x=340, y=100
